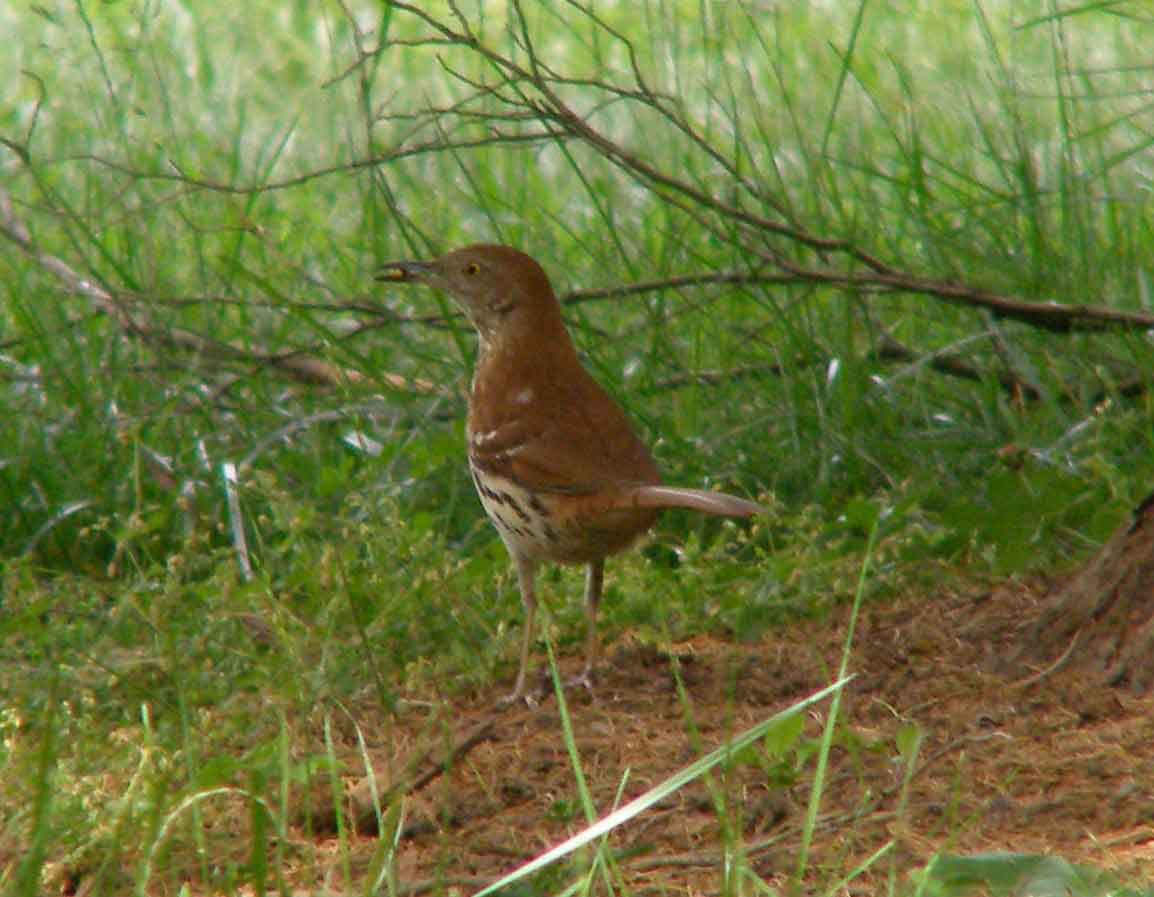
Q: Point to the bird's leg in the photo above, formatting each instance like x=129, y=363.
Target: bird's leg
x=526, y=574
x=594, y=580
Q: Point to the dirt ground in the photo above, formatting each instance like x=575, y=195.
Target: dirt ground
x=1057, y=765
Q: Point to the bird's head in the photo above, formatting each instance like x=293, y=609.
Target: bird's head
x=497, y=287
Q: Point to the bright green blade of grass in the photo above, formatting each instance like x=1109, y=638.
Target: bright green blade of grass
x=659, y=792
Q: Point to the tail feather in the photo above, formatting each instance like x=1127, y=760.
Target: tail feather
x=717, y=503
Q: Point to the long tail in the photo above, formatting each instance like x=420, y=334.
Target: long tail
x=717, y=503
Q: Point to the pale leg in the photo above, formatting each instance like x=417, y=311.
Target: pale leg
x=594, y=580
x=526, y=574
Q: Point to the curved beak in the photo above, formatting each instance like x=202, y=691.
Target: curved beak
x=405, y=272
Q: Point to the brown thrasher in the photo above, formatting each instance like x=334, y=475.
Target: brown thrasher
x=557, y=466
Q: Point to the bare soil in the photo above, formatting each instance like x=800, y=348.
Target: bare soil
x=1053, y=763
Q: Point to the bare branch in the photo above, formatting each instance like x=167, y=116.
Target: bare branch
x=404, y=152
x=715, y=378
x=295, y=364
x=577, y=297
x=1043, y=315
x=880, y=276
x=945, y=361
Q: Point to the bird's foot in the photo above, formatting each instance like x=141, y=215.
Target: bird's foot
x=518, y=696
x=584, y=680
x=530, y=697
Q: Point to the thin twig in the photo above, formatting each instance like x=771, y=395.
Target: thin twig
x=879, y=276
x=1062, y=660
x=361, y=795
x=945, y=361
x=297, y=364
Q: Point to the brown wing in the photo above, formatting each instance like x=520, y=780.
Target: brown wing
x=561, y=435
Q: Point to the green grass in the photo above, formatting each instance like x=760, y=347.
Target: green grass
x=958, y=144
x=211, y=172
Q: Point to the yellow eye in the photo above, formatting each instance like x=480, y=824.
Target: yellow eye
x=472, y=268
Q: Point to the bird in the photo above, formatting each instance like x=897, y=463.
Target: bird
x=556, y=463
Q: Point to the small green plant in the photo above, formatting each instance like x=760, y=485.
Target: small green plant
x=1017, y=875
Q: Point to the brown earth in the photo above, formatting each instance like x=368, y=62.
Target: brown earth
x=1051, y=764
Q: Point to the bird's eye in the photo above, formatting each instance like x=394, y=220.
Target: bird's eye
x=472, y=268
